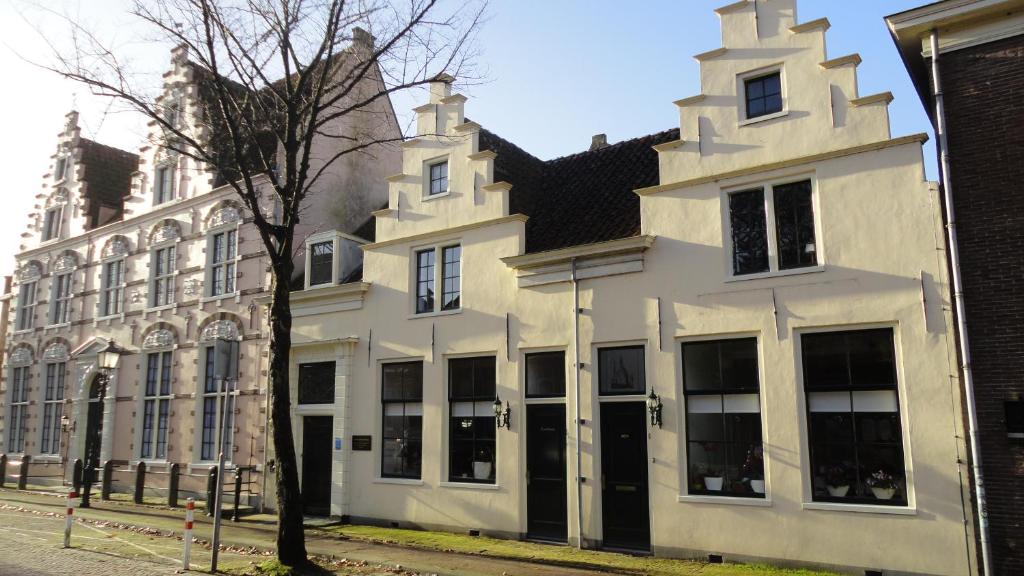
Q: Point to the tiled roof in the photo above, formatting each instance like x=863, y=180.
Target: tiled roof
x=582, y=198
x=107, y=172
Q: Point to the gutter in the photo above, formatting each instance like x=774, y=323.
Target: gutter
x=961, y=311
x=576, y=370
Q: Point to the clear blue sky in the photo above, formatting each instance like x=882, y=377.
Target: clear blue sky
x=558, y=71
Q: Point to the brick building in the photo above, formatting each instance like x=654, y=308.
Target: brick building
x=981, y=72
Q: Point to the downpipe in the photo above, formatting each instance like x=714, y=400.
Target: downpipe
x=576, y=371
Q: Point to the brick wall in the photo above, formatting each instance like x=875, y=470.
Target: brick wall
x=984, y=90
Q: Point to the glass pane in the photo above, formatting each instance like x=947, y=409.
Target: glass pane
x=321, y=263
x=621, y=370
x=545, y=374
x=460, y=378
x=833, y=467
x=878, y=428
x=484, y=379
x=872, y=358
x=316, y=383
x=831, y=427
x=451, y=258
x=152, y=366
x=749, y=232
x=425, y=281
x=739, y=364
x=772, y=84
x=701, y=369
x=755, y=88
x=705, y=427
x=794, y=221
x=755, y=107
x=772, y=104
x=824, y=359
x=706, y=460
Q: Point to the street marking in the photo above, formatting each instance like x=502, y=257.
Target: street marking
x=143, y=548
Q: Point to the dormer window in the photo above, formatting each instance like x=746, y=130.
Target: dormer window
x=163, y=186
x=332, y=258
x=321, y=263
x=438, y=178
x=763, y=94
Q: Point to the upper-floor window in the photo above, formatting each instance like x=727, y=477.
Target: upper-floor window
x=60, y=169
x=53, y=407
x=438, y=178
x=18, y=401
x=25, y=319
x=161, y=291
x=429, y=275
x=156, y=405
x=773, y=228
x=172, y=111
x=321, y=263
x=763, y=95
x=51, y=223
x=224, y=249
x=112, y=292
x=60, y=308
x=163, y=185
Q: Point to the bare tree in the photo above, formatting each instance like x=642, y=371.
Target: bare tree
x=273, y=78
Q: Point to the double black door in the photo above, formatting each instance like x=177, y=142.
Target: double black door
x=546, y=497
x=625, y=506
x=317, y=432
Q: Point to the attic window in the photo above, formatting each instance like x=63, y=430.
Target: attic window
x=51, y=224
x=1015, y=418
x=163, y=190
x=438, y=178
x=60, y=169
x=321, y=263
x=763, y=95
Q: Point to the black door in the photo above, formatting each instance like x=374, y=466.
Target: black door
x=624, y=476
x=316, y=465
x=546, y=509
x=93, y=420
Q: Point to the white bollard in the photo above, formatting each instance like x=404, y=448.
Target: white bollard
x=69, y=518
x=189, y=511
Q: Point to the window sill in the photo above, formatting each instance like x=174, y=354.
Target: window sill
x=107, y=318
x=150, y=463
x=399, y=481
x=727, y=500
x=862, y=508
x=57, y=326
x=772, y=116
x=220, y=297
x=160, y=308
x=46, y=459
x=434, y=314
x=23, y=331
x=49, y=241
x=429, y=197
x=314, y=409
x=777, y=273
x=470, y=486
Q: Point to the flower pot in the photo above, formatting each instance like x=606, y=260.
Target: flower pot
x=481, y=470
x=757, y=486
x=838, y=491
x=713, y=483
x=883, y=493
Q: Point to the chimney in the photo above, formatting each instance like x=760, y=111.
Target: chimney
x=598, y=141
x=440, y=87
x=362, y=38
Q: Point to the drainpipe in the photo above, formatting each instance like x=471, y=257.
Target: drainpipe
x=576, y=365
x=961, y=312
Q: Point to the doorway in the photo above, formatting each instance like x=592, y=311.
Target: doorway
x=546, y=491
x=93, y=420
x=317, y=432
x=625, y=507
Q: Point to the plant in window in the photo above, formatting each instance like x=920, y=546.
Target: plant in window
x=753, y=468
x=713, y=478
x=837, y=478
x=483, y=461
x=883, y=485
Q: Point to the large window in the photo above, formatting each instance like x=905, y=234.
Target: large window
x=438, y=178
x=112, y=294
x=425, y=281
x=215, y=393
x=790, y=243
x=402, y=432
x=53, y=408
x=428, y=275
x=321, y=263
x=451, y=287
x=163, y=185
x=19, y=409
x=25, y=319
x=224, y=249
x=60, y=308
x=763, y=95
x=51, y=224
x=472, y=390
x=161, y=293
x=723, y=418
x=316, y=383
x=856, y=438
x=156, y=405
x=545, y=375
x=621, y=371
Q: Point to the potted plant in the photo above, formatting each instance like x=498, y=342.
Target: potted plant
x=483, y=463
x=753, y=469
x=837, y=478
x=882, y=484
x=713, y=480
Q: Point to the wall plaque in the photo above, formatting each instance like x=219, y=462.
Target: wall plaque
x=362, y=443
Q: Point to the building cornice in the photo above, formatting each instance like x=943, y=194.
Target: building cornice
x=607, y=248
x=357, y=289
x=446, y=231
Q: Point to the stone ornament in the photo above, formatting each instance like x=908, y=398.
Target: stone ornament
x=56, y=352
x=65, y=263
x=226, y=215
x=220, y=330
x=21, y=356
x=117, y=246
x=29, y=272
x=59, y=197
x=161, y=338
x=191, y=287
x=166, y=233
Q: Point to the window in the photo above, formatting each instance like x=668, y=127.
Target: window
x=449, y=275
x=321, y=263
x=764, y=95
x=621, y=371
x=425, y=281
x=60, y=169
x=17, y=424
x=790, y=244
x=451, y=281
x=402, y=432
x=163, y=185
x=472, y=390
x=316, y=383
x=723, y=418
x=53, y=408
x=172, y=111
x=222, y=262
x=438, y=178
x=1015, y=418
x=155, y=405
x=545, y=375
x=113, y=288
x=60, y=310
x=25, y=319
x=213, y=398
x=855, y=435
x=161, y=293
x=51, y=224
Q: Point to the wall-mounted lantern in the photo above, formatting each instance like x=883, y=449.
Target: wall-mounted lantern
x=502, y=414
x=654, y=407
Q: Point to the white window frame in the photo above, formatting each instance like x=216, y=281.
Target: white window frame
x=60, y=305
x=53, y=407
x=229, y=263
x=767, y=186
x=427, y=167
x=158, y=400
x=27, y=298
x=105, y=289
x=168, y=279
x=17, y=405
x=438, y=248
x=741, y=94
x=319, y=238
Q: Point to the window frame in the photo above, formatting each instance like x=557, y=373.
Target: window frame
x=149, y=450
x=168, y=280
x=428, y=177
x=60, y=302
x=52, y=218
x=331, y=262
x=106, y=290
x=28, y=297
x=437, y=278
x=162, y=195
x=741, y=93
x=533, y=354
x=53, y=408
x=767, y=188
x=404, y=402
x=203, y=395
x=603, y=348
x=60, y=167
x=16, y=426
x=488, y=414
x=228, y=264
x=299, y=381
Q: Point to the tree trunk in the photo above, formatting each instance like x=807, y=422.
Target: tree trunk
x=291, y=544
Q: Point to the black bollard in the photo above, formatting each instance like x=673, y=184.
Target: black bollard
x=211, y=491
x=140, y=482
x=172, y=486
x=23, y=472
x=107, y=480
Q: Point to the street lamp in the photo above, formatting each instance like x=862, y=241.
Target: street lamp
x=654, y=407
x=106, y=360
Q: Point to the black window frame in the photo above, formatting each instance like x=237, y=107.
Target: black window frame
x=479, y=439
x=437, y=179
x=791, y=257
x=451, y=277
x=856, y=475
x=760, y=80
x=1014, y=410
x=425, y=283
x=560, y=354
x=602, y=373
x=409, y=372
x=156, y=405
x=307, y=395
x=775, y=209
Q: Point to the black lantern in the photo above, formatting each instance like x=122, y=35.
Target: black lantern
x=654, y=407
x=502, y=414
